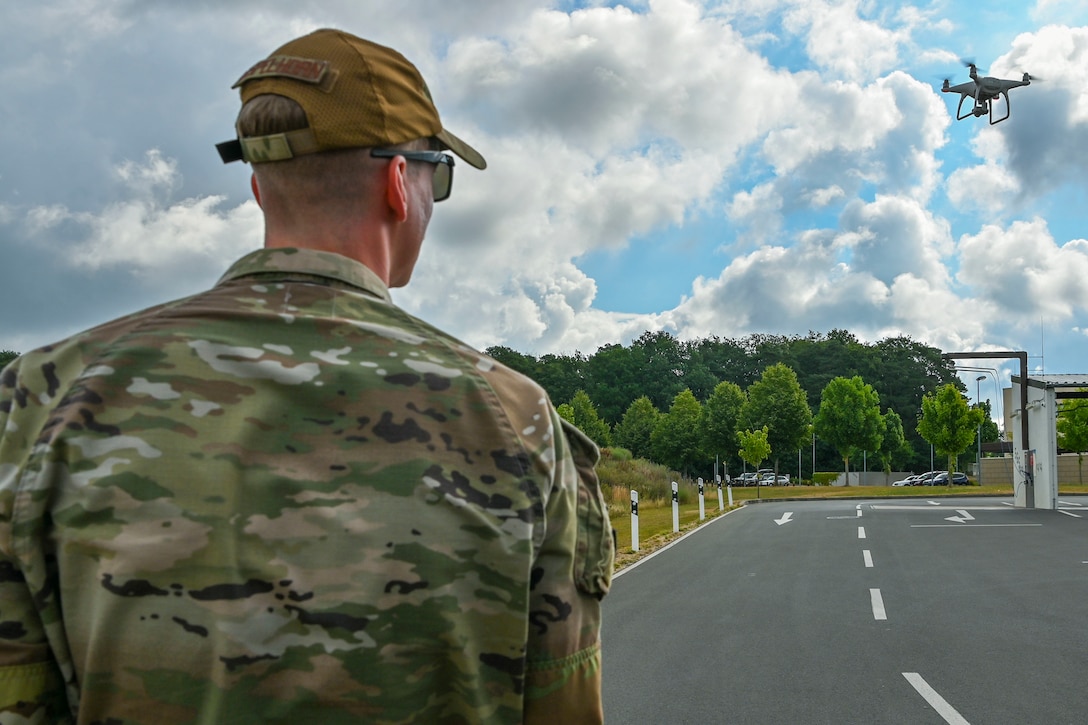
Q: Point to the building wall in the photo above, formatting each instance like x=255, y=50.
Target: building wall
x=998, y=471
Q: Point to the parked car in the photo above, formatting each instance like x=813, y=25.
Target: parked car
x=925, y=479
x=908, y=481
x=958, y=479
x=747, y=479
x=782, y=481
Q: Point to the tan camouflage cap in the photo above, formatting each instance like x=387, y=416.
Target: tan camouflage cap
x=355, y=94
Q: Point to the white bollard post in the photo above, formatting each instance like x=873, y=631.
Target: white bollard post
x=721, y=505
x=675, y=508
x=730, y=495
x=702, y=507
x=634, y=520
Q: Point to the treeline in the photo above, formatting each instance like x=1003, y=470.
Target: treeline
x=657, y=368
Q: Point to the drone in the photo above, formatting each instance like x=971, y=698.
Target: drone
x=984, y=91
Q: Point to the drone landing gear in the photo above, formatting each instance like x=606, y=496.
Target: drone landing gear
x=982, y=108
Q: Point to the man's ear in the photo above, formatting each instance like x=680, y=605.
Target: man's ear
x=256, y=189
x=396, y=187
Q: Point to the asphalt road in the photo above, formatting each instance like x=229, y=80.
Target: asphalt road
x=882, y=611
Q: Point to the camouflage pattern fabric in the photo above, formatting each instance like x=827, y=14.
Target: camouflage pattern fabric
x=285, y=500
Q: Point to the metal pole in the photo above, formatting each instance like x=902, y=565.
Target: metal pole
x=978, y=397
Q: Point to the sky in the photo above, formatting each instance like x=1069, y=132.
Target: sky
x=701, y=168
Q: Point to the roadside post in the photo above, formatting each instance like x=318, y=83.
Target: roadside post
x=634, y=520
x=721, y=505
x=675, y=507
x=702, y=506
x=730, y=487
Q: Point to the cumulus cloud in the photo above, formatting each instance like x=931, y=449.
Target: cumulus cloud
x=156, y=239
x=1024, y=273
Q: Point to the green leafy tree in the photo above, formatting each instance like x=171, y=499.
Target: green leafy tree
x=562, y=375
x=566, y=412
x=721, y=414
x=636, y=428
x=990, y=432
x=661, y=365
x=894, y=443
x=949, y=424
x=1073, y=428
x=849, y=418
x=613, y=378
x=588, y=421
x=777, y=402
x=754, y=448
x=7, y=356
x=676, y=439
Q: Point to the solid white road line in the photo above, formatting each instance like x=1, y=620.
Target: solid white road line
x=878, y=604
x=935, y=701
x=861, y=532
x=868, y=558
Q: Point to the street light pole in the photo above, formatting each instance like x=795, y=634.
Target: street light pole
x=978, y=399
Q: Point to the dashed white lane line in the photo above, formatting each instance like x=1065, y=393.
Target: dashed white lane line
x=868, y=558
x=878, y=604
x=935, y=701
x=861, y=532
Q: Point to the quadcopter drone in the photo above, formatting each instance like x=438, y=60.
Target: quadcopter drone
x=984, y=91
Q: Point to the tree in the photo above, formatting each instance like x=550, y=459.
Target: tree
x=777, y=403
x=562, y=375
x=660, y=367
x=754, y=448
x=849, y=418
x=612, y=377
x=721, y=414
x=566, y=412
x=1073, y=428
x=587, y=420
x=634, y=431
x=676, y=439
x=894, y=443
x=990, y=431
x=949, y=424
x=7, y=356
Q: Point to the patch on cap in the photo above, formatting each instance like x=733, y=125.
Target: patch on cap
x=307, y=70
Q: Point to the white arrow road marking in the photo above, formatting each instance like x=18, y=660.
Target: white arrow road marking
x=1069, y=513
x=933, y=503
x=785, y=518
x=878, y=604
x=962, y=518
x=935, y=701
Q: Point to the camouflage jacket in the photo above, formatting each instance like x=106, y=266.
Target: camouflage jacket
x=286, y=500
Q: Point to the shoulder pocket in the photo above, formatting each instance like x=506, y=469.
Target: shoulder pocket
x=595, y=552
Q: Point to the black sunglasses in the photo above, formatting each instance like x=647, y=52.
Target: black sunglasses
x=442, y=183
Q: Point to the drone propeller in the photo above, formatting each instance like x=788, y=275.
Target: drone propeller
x=1030, y=77
x=970, y=63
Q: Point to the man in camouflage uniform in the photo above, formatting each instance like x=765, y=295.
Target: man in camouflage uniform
x=285, y=500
